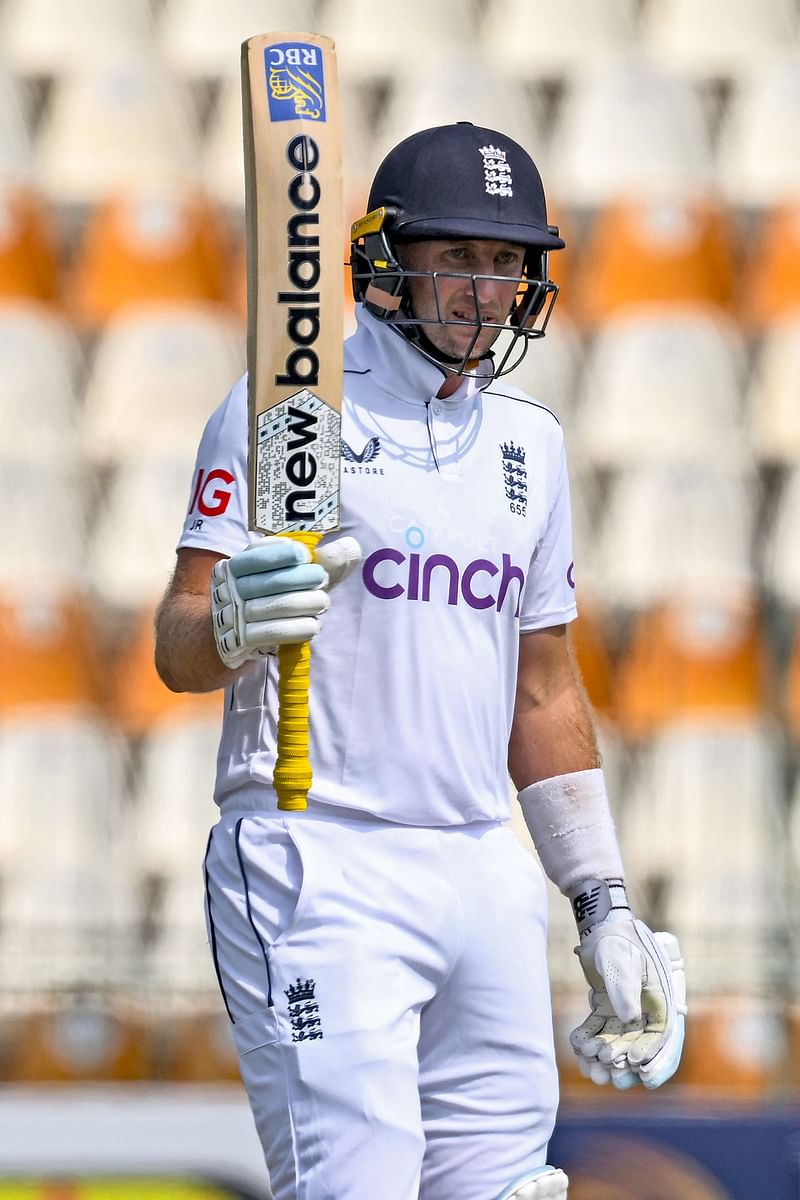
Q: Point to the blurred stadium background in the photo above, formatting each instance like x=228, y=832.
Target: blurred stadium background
x=668, y=135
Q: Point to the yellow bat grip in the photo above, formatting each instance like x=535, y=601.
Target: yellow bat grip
x=292, y=775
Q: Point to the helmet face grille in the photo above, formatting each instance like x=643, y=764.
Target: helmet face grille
x=448, y=183
x=383, y=285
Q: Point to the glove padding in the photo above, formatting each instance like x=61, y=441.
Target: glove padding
x=272, y=594
x=634, y=1033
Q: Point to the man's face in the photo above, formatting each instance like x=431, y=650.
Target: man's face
x=459, y=299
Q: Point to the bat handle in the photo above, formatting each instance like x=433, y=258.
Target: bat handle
x=292, y=775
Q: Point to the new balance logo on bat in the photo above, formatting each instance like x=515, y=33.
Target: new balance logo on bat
x=301, y=368
x=302, y=266
x=300, y=467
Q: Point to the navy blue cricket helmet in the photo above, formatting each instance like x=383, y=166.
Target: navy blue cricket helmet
x=450, y=182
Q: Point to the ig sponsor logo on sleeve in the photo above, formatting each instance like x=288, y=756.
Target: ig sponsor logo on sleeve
x=211, y=493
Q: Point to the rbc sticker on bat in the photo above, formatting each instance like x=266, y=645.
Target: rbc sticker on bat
x=295, y=81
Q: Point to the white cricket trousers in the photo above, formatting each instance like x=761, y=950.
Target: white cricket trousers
x=390, y=1002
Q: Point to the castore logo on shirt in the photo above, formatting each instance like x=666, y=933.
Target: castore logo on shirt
x=359, y=460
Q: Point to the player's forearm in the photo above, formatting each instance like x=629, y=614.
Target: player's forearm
x=186, y=654
x=553, y=734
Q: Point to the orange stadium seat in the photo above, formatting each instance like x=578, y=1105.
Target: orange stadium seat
x=177, y=758
x=793, y=1006
x=689, y=655
x=148, y=244
x=594, y=658
x=49, y=654
x=44, y=39
x=41, y=370
x=67, y=901
x=563, y=262
x=717, y=39
x=662, y=383
x=793, y=1022
x=130, y=552
x=780, y=563
x=792, y=686
x=80, y=1040
x=736, y=1046
x=664, y=251
x=567, y=982
x=365, y=57
x=624, y=127
x=221, y=159
x=704, y=827
x=569, y=1010
x=359, y=159
x=195, y=1047
x=236, y=294
x=771, y=395
x=190, y=1033
x=16, y=126
x=668, y=527
x=200, y=39
x=119, y=122
x=757, y=162
x=44, y=538
x=531, y=42
x=549, y=371
x=773, y=275
x=138, y=699
x=466, y=89
x=29, y=252
x=158, y=365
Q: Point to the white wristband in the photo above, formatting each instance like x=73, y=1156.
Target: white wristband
x=570, y=821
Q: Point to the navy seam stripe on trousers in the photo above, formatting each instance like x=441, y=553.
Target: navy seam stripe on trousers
x=256, y=934
x=212, y=933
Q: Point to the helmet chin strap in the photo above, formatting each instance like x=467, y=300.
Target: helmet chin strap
x=450, y=364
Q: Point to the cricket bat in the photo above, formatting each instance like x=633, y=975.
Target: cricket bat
x=294, y=216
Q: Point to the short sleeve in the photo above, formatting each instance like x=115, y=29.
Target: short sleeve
x=216, y=517
x=549, y=597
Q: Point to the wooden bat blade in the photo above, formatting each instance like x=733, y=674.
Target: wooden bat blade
x=295, y=308
x=294, y=216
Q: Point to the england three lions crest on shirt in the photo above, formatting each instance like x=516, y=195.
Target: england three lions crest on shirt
x=515, y=477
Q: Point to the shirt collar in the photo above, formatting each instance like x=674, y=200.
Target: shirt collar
x=397, y=367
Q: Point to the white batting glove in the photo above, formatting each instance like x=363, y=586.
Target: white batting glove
x=272, y=594
x=634, y=1032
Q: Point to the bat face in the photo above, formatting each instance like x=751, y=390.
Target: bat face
x=294, y=222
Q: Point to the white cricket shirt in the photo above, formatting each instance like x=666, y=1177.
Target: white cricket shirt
x=461, y=507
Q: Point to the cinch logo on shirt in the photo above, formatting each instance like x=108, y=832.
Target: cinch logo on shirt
x=389, y=574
